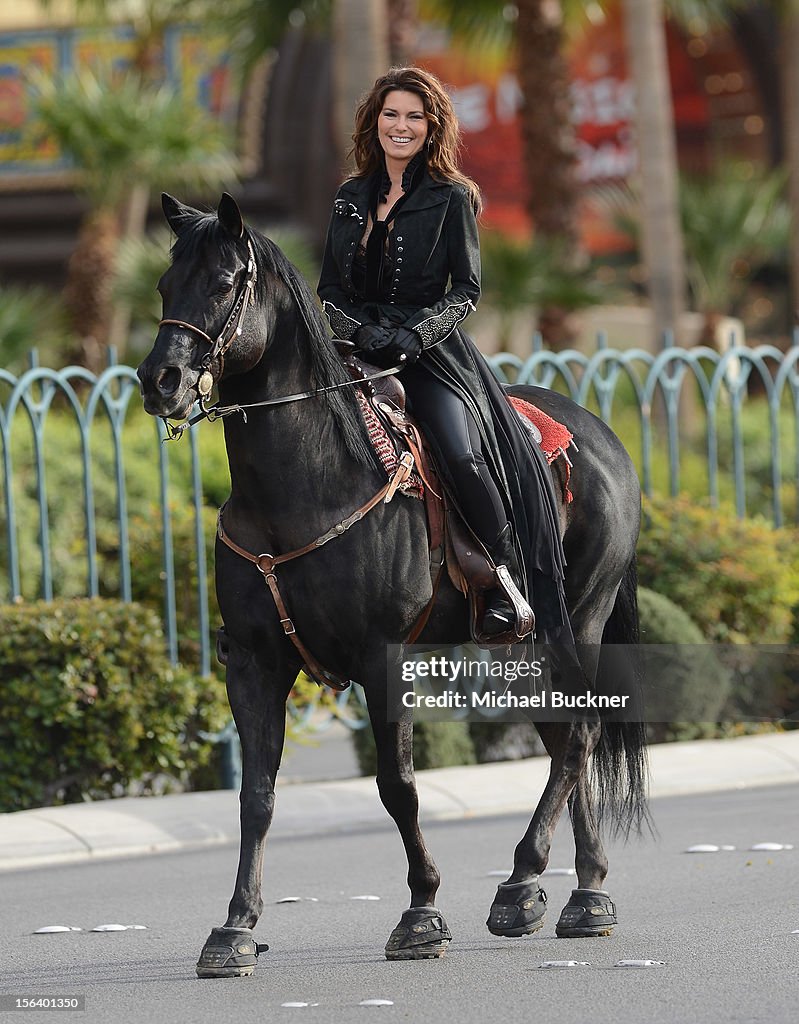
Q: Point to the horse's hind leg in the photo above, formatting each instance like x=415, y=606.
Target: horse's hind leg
x=258, y=701
x=422, y=932
x=590, y=910
x=520, y=904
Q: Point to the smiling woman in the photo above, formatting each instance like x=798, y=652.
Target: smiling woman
x=401, y=272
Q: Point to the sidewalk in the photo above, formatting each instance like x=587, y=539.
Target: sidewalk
x=133, y=826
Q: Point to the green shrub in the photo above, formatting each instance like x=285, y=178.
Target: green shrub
x=91, y=705
x=686, y=678
x=738, y=580
x=504, y=741
x=435, y=745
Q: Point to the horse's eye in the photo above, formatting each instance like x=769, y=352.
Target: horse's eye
x=224, y=287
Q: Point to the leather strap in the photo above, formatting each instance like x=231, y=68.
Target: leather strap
x=266, y=563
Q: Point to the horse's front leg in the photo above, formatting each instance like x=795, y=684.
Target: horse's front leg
x=257, y=697
x=520, y=903
x=422, y=932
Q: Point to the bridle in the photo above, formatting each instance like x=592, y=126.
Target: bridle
x=230, y=331
x=217, y=348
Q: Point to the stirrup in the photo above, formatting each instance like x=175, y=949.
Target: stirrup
x=524, y=623
x=499, y=616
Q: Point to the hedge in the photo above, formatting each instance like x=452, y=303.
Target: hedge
x=90, y=704
x=737, y=579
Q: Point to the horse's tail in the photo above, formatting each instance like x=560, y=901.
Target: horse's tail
x=620, y=764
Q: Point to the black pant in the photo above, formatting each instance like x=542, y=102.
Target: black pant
x=454, y=436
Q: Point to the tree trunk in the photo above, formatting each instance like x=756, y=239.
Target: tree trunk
x=133, y=218
x=546, y=117
x=88, y=293
x=789, y=73
x=549, y=140
x=403, y=28
x=360, y=55
x=657, y=154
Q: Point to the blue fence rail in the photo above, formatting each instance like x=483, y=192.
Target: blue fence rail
x=661, y=398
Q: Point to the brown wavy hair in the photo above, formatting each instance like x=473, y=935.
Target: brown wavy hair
x=443, y=143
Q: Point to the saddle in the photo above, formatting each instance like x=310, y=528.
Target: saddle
x=452, y=544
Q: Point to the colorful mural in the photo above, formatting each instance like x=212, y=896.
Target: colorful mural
x=194, y=62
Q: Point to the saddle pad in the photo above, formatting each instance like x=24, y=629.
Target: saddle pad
x=552, y=437
x=384, y=448
x=555, y=437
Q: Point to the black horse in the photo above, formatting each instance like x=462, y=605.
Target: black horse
x=238, y=314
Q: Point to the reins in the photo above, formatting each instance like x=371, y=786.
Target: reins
x=218, y=412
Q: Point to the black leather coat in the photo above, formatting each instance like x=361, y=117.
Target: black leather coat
x=434, y=253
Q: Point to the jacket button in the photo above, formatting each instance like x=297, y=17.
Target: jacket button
x=399, y=259
x=400, y=249
x=399, y=238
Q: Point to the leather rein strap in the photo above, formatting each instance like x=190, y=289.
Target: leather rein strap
x=267, y=563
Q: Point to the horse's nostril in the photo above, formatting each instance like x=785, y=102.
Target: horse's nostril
x=168, y=380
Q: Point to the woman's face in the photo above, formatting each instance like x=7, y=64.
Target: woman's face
x=402, y=125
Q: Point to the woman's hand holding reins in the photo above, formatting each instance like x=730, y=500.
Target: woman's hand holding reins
x=386, y=346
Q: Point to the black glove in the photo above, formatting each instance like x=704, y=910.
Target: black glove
x=371, y=338
x=387, y=346
x=407, y=343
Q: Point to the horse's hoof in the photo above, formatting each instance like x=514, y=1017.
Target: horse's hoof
x=421, y=934
x=518, y=909
x=589, y=912
x=229, y=953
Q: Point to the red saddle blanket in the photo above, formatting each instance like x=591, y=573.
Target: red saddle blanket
x=553, y=439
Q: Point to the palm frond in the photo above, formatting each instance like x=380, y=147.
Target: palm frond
x=123, y=133
x=733, y=223
x=708, y=13
x=29, y=318
x=477, y=24
x=518, y=274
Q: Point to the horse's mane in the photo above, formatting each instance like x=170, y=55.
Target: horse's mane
x=326, y=365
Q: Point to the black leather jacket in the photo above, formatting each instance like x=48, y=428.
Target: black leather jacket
x=434, y=253
x=434, y=257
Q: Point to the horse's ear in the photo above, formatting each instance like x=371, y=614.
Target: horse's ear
x=230, y=216
x=177, y=214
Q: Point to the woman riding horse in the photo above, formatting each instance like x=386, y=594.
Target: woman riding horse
x=401, y=271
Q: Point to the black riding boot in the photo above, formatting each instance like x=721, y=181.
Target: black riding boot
x=500, y=615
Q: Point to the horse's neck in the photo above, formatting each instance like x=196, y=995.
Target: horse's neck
x=290, y=471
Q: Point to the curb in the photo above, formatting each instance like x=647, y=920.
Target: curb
x=136, y=826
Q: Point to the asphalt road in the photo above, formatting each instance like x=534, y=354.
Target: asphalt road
x=722, y=923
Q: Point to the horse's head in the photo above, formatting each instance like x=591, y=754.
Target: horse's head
x=208, y=297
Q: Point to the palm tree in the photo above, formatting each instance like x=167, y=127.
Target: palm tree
x=360, y=54
x=549, y=134
x=733, y=223
x=788, y=13
x=519, y=275
x=121, y=136
x=657, y=155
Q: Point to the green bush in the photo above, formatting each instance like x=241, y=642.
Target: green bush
x=91, y=705
x=435, y=745
x=737, y=579
x=686, y=678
